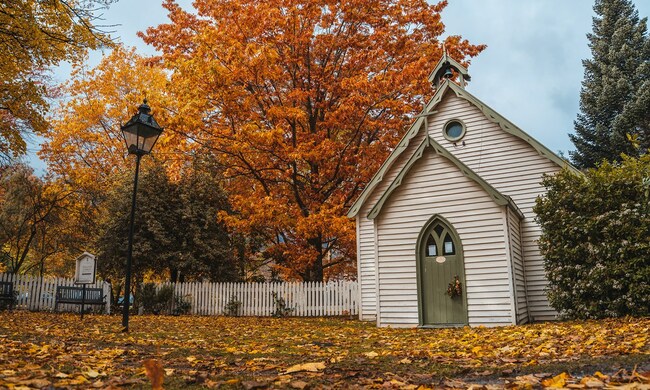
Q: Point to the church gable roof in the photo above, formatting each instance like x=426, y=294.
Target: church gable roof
x=429, y=142
x=420, y=124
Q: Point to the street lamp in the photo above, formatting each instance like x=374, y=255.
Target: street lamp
x=140, y=133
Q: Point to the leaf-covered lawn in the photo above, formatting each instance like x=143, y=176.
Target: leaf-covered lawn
x=42, y=349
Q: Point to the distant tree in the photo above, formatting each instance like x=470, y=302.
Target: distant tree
x=31, y=219
x=177, y=234
x=34, y=36
x=614, y=113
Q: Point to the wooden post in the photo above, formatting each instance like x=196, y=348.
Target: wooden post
x=83, y=299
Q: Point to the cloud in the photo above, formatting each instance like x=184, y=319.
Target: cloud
x=532, y=70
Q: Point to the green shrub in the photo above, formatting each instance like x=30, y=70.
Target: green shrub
x=280, y=306
x=147, y=297
x=181, y=306
x=9, y=304
x=165, y=299
x=596, y=240
x=156, y=302
x=232, y=307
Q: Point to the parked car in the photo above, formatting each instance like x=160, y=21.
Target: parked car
x=44, y=296
x=120, y=300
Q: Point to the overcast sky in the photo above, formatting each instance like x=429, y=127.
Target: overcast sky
x=530, y=72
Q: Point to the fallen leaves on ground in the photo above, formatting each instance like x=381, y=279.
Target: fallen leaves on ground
x=49, y=350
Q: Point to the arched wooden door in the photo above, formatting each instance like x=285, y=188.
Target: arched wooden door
x=441, y=276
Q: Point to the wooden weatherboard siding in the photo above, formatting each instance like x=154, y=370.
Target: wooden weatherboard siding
x=511, y=165
x=434, y=185
x=367, y=273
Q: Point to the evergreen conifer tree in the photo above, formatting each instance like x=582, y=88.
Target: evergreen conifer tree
x=614, y=113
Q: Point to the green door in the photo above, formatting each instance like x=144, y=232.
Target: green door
x=442, y=276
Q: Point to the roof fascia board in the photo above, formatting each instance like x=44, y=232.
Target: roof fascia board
x=496, y=196
x=415, y=128
x=510, y=127
x=419, y=152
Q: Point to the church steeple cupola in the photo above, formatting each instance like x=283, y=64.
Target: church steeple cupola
x=447, y=69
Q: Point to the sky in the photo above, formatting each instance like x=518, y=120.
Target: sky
x=530, y=73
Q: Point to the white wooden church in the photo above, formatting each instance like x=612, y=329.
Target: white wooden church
x=446, y=234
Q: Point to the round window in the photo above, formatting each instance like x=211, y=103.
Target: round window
x=454, y=130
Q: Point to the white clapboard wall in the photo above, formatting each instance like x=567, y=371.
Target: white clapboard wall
x=38, y=294
x=303, y=299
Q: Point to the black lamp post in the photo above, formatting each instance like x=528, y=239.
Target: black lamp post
x=140, y=133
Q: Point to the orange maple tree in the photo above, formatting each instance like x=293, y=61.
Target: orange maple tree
x=301, y=101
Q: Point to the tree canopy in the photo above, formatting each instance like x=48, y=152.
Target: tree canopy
x=35, y=221
x=35, y=35
x=177, y=234
x=614, y=113
x=300, y=102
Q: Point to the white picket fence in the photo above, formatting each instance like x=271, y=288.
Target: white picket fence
x=38, y=294
x=308, y=299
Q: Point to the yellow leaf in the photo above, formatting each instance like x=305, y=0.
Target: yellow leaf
x=371, y=354
x=78, y=380
x=592, y=382
x=311, y=367
x=169, y=371
x=38, y=383
x=91, y=374
x=558, y=381
x=601, y=376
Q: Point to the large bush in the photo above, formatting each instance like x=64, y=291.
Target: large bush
x=596, y=240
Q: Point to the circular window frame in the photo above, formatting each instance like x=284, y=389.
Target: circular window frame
x=454, y=139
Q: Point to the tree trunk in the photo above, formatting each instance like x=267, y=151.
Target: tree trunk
x=314, y=273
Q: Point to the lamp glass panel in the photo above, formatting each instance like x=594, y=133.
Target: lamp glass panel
x=141, y=136
x=130, y=138
x=147, y=143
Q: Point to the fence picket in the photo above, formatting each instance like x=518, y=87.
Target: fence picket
x=206, y=298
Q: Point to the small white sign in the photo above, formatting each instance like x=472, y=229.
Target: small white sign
x=85, y=269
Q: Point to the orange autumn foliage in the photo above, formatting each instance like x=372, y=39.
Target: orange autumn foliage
x=84, y=143
x=84, y=147
x=35, y=36
x=300, y=101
